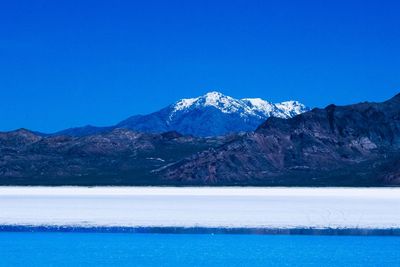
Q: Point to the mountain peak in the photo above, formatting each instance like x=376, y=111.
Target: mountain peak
x=215, y=99
x=216, y=114
x=214, y=94
x=211, y=114
x=224, y=103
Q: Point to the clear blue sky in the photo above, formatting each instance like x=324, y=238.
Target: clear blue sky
x=71, y=63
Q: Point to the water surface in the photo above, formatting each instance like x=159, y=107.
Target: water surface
x=128, y=249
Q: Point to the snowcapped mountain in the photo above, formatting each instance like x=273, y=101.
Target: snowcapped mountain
x=246, y=108
x=212, y=114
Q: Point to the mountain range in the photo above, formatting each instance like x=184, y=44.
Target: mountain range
x=338, y=145
x=354, y=145
x=212, y=114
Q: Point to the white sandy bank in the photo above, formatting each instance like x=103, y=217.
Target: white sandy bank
x=202, y=207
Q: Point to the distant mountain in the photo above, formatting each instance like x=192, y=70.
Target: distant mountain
x=212, y=114
x=339, y=145
x=84, y=131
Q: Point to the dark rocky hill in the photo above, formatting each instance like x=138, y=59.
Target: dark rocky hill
x=117, y=157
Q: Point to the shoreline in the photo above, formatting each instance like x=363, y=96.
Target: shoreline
x=201, y=230
x=267, y=210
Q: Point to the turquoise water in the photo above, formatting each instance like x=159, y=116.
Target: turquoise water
x=127, y=249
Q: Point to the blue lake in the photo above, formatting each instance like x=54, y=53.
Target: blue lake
x=128, y=249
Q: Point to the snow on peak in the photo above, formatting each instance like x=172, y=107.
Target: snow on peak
x=215, y=99
x=222, y=102
x=291, y=108
x=259, y=105
x=214, y=95
x=184, y=103
x=246, y=107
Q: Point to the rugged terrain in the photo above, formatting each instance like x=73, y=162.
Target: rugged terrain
x=117, y=157
x=355, y=145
